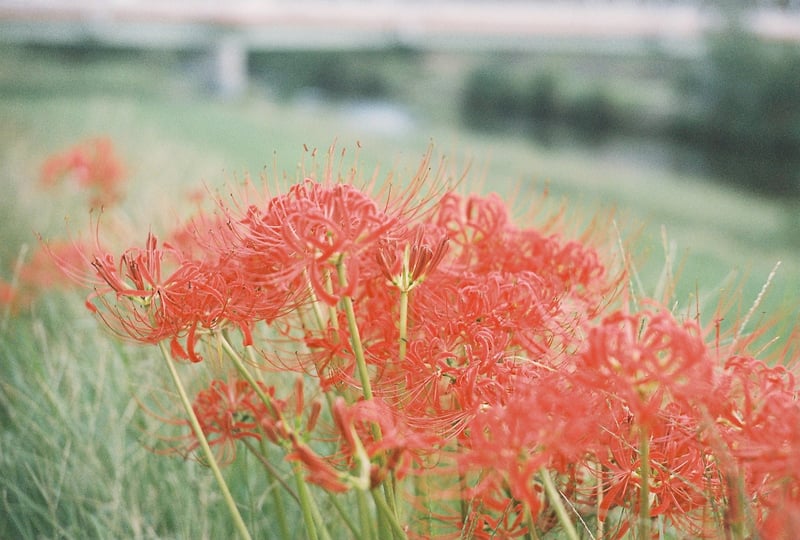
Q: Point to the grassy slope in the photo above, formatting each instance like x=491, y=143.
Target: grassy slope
x=64, y=384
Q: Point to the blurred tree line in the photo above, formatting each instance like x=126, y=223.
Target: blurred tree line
x=745, y=99
x=737, y=105
x=741, y=100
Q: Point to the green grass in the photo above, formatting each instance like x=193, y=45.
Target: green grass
x=73, y=444
x=73, y=462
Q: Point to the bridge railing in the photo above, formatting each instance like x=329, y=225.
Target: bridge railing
x=229, y=30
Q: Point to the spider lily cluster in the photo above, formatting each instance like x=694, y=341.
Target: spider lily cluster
x=455, y=374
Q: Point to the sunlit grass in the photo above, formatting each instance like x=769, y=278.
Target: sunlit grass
x=72, y=463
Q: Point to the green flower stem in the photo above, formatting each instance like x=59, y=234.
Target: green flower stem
x=389, y=492
x=644, y=491
x=361, y=365
x=388, y=515
x=531, y=534
x=307, y=505
x=240, y=367
x=305, y=501
x=277, y=497
x=405, y=289
x=271, y=471
x=368, y=527
x=334, y=321
x=554, y=497
x=422, y=492
x=381, y=516
x=403, y=325
x=344, y=514
x=598, y=505
x=355, y=335
x=314, y=303
x=280, y=508
x=322, y=529
x=238, y=522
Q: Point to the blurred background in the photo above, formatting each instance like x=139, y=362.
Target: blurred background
x=683, y=116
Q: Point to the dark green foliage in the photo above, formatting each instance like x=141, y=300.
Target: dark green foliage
x=593, y=112
x=745, y=100
x=495, y=97
x=738, y=107
x=492, y=97
x=545, y=103
x=336, y=74
x=749, y=94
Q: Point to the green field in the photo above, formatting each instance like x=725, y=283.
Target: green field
x=73, y=462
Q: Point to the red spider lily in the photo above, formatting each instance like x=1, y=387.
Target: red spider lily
x=149, y=307
x=485, y=239
x=319, y=471
x=331, y=357
x=300, y=237
x=783, y=518
x=208, y=238
x=470, y=336
x=759, y=422
x=545, y=422
x=490, y=312
x=93, y=164
x=472, y=221
x=204, y=236
x=42, y=272
x=8, y=295
x=487, y=363
x=504, y=518
x=636, y=356
x=139, y=300
x=422, y=255
x=389, y=444
x=683, y=476
x=228, y=411
x=754, y=392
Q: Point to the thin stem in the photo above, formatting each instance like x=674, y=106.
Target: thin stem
x=314, y=301
x=422, y=491
x=388, y=514
x=238, y=522
x=363, y=374
x=307, y=505
x=389, y=487
x=305, y=501
x=405, y=288
x=403, y=325
x=271, y=471
x=322, y=529
x=554, y=496
x=334, y=500
x=334, y=321
x=240, y=367
x=14, y=282
x=368, y=527
x=277, y=497
x=598, y=507
x=355, y=335
x=644, y=491
x=531, y=534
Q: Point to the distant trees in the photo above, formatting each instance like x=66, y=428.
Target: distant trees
x=744, y=98
x=738, y=104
